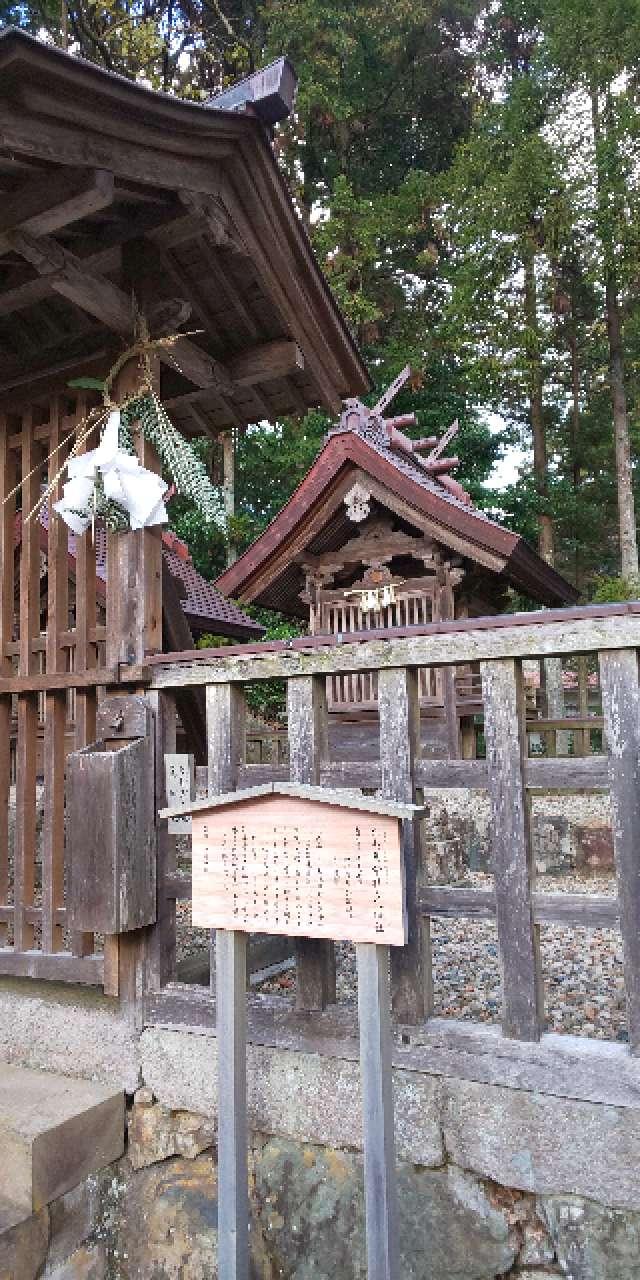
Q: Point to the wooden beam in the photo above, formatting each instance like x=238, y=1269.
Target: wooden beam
x=271, y=360
x=219, y=226
x=44, y=205
x=96, y=295
x=621, y=706
x=399, y=713
x=308, y=747
x=511, y=859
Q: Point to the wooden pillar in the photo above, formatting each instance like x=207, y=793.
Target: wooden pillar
x=229, y=484
x=134, y=629
x=7, y=605
x=308, y=730
x=399, y=746
x=621, y=710
x=444, y=611
x=511, y=861
x=25, y=834
x=55, y=705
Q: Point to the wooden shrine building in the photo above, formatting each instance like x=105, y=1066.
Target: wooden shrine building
x=379, y=534
x=125, y=215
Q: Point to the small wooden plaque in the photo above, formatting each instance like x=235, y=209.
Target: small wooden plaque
x=300, y=867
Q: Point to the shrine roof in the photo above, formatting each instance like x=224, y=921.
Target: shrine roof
x=204, y=607
x=110, y=188
x=314, y=520
x=340, y=797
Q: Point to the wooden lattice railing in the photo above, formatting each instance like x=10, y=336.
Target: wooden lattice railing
x=500, y=646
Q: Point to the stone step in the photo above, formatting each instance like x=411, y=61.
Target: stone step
x=54, y=1132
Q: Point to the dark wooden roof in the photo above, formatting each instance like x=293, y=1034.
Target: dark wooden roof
x=315, y=520
x=108, y=188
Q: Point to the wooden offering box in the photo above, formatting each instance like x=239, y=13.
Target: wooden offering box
x=300, y=861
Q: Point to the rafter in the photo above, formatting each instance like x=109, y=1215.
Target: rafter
x=43, y=205
x=93, y=293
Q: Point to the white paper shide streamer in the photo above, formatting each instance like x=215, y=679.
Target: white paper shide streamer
x=138, y=491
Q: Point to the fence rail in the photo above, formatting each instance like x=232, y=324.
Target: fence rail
x=500, y=646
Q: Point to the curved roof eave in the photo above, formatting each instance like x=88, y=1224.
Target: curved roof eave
x=201, y=121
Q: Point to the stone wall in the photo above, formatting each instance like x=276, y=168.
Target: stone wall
x=570, y=832
x=154, y=1215
x=516, y=1162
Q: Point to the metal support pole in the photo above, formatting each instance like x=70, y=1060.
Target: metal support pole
x=231, y=1031
x=374, y=1012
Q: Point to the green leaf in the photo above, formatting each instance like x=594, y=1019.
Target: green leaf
x=88, y=384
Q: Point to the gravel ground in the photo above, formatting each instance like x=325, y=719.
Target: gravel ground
x=582, y=968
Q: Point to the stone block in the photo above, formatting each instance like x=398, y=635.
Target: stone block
x=155, y=1132
x=594, y=847
x=73, y=1217
x=591, y=1241
x=54, y=1132
x=168, y=1226
x=543, y=1144
x=311, y=1210
x=23, y=1242
x=86, y=1263
x=304, y=1096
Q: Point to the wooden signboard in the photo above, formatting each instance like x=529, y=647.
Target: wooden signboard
x=301, y=861
x=287, y=864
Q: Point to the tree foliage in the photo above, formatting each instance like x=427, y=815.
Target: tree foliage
x=470, y=176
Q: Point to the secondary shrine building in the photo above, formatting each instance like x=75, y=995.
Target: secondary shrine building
x=377, y=535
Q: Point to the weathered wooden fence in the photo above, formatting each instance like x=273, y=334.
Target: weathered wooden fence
x=509, y=776
x=36, y=939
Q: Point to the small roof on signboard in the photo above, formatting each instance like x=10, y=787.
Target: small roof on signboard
x=343, y=798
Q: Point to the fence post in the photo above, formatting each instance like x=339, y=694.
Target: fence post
x=226, y=713
x=308, y=747
x=504, y=721
x=399, y=711
x=621, y=709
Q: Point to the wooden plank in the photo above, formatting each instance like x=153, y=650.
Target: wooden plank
x=60, y=681
x=59, y=967
x=66, y=196
x=374, y=1017
x=399, y=711
x=26, y=745
x=85, y=660
x=522, y=992
x=233, y=1134
x=559, y=1065
x=55, y=704
x=435, y=645
x=276, y=359
x=621, y=707
x=307, y=723
x=298, y=866
x=111, y=810
x=64, y=143
x=7, y=574
x=585, y=910
x=161, y=951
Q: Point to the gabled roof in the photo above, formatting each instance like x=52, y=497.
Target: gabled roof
x=205, y=608
x=314, y=519
x=113, y=182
